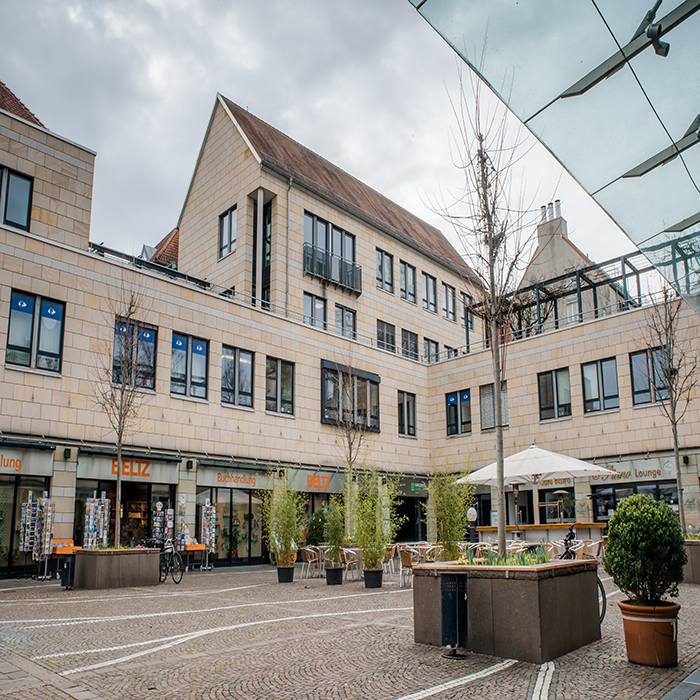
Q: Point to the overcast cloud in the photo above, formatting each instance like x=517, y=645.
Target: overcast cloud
x=361, y=82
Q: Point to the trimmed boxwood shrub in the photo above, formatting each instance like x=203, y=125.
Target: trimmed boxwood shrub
x=645, y=551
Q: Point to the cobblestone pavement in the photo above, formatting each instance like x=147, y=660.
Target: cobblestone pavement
x=237, y=633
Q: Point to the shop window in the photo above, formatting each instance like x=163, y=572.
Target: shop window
x=345, y=322
x=448, y=302
x=600, y=385
x=557, y=506
x=236, y=376
x=486, y=406
x=314, y=311
x=408, y=281
x=15, y=198
x=409, y=344
x=407, y=414
x=386, y=336
x=134, y=357
x=227, y=232
x=385, y=271
x=279, y=386
x=459, y=412
x=648, y=380
x=188, y=366
x=35, y=334
x=555, y=394
x=349, y=397
x=429, y=293
x=431, y=351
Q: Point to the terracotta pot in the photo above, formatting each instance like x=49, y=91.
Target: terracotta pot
x=651, y=633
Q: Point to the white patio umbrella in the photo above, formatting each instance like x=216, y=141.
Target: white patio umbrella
x=534, y=465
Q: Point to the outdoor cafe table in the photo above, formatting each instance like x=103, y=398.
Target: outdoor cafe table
x=545, y=532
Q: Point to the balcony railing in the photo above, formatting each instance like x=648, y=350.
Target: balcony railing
x=332, y=268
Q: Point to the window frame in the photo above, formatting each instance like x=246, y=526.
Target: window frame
x=656, y=391
x=228, y=232
x=385, y=264
x=190, y=386
x=406, y=414
x=234, y=395
x=6, y=177
x=605, y=401
x=279, y=401
x=134, y=365
x=431, y=351
x=38, y=358
x=316, y=303
x=429, y=292
x=386, y=336
x=345, y=314
x=484, y=391
x=467, y=302
x=406, y=351
x=555, y=380
x=336, y=374
x=408, y=291
x=458, y=412
x=449, y=302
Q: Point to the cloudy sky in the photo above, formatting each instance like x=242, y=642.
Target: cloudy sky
x=364, y=83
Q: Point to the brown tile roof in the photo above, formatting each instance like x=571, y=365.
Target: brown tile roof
x=167, y=250
x=12, y=104
x=285, y=155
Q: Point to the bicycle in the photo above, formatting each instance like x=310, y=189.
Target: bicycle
x=569, y=553
x=171, y=562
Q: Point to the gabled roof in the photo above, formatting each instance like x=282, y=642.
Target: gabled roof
x=9, y=102
x=166, y=252
x=284, y=155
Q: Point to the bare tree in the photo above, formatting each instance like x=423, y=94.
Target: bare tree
x=490, y=222
x=674, y=368
x=123, y=372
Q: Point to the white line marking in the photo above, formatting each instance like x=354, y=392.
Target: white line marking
x=213, y=630
x=612, y=593
x=607, y=578
x=458, y=681
x=57, y=622
x=23, y=588
x=544, y=680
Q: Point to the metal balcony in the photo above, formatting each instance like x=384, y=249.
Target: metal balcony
x=331, y=268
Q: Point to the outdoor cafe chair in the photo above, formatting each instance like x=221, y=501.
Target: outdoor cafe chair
x=388, y=562
x=352, y=562
x=321, y=554
x=408, y=559
x=594, y=550
x=309, y=558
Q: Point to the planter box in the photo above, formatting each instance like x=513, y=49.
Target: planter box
x=116, y=568
x=530, y=613
x=691, y=571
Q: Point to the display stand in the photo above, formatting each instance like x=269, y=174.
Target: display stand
x=208, y=534
x=36, y=531
x=96, y=522
x=158, y=524
x=182, y=535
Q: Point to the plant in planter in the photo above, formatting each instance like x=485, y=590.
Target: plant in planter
x=317, y=527
x=283, y=510
x=335, y=536
x=645, y=555
x=377, y=522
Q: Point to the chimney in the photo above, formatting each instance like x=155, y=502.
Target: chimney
x=552, y=225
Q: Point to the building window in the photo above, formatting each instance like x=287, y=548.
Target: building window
x=409, y=344
x=450, y=352
x=386, y=336
x=134, y=357
x=345, y=322
x=314, y=311
x=487, y=409
x=648, y=380
x=407, y=414
x=15, y=198
x=408, y=281
x=236, y=377
x=600, y=390
x=431, y=351
x=459, y=412
x=555, y=394
x=35, y=335
x=279, y=386
x=227, y=232
x=429, y=293
x=188, y=366
x=448, y=302
x=349, y=397
x=385, y=271
x=467, y=315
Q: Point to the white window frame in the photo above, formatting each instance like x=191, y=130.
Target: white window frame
x=228, y=223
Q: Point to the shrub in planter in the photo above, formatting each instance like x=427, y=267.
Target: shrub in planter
x=335, y=537
x=317, y=527
x=283, y=510
x=645, y=555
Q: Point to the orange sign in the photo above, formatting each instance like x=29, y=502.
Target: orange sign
x=12, y=464
x=132, y=467
x=316, y=481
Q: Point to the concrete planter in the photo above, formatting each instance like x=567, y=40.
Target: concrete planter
x=691, y=571
x=116, y=568
x=530, y=613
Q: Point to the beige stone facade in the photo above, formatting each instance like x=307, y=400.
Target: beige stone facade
x=210, y=298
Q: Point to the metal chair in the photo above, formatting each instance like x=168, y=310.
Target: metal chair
x=408, y=559
x=309, y=558
x=352, y=562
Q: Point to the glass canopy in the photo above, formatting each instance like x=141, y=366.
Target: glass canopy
x=612, y=89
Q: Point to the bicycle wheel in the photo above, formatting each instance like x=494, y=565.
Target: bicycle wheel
x=163, y=567
x=602, y=600
x=177, y=568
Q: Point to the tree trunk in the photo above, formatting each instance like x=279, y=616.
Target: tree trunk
x=677, y=460
x=118, y=498
x=497, y=418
